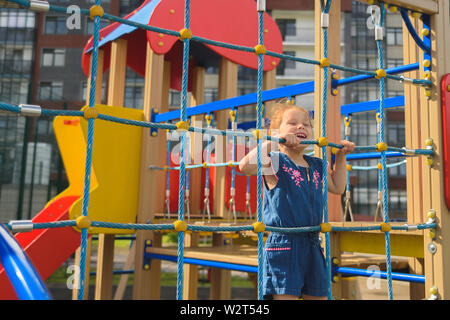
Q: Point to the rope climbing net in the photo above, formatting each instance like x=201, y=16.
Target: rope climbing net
x=91, y=114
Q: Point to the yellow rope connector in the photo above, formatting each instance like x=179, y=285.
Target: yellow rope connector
x=427, y=93
x=260, y=49
x=429, y=142
x=90, y=113
x=180, y=225
x=231, y=164
x=258, y=227
x=205, y=165
x=336, y=261
x=381, y=146
x=434, y=290
x=415, y=14
x=185, y=34
x=427, y=74
x=385, y=227
x=347, y=120
x=380, y=166
x=324, y=62
x=208, y=119
x=233, y=115
x=349, y=167
x=290, y=102
x=83, y=222
x=325, y=227
x=165, y=168
x=182, y=125
x=322, y=142
x=96, y=11
x=432, y=234
x=381, y=73
x=430, y=161
x=257, y=134
x=334, y=150
x=431, y=214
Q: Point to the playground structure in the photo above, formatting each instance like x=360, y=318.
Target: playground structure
x=93, y=204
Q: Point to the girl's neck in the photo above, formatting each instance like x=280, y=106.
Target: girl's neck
x=295, y=155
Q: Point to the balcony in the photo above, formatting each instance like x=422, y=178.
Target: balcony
x=18, y=68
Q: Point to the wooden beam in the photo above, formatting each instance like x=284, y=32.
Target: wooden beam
x=227, y=89
x=195, y=178
x=117, y=73
x=333, y=102
x=105, y=266
x=436, y=264
x=151, y=192
x=424, y=6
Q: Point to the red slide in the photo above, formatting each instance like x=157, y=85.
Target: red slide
x=46, y=248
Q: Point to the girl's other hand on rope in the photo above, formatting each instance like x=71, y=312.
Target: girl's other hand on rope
x=292, y=141
x=347, y=148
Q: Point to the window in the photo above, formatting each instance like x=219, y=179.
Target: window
x=174, y=98
x=50, y=90
x=394, y=36
x=134, y=96
x=211, y=94
x=19, y=19
x=53, y=57
x=287, y=27
x=285, y=63
x=55, y=25
x=392, y=63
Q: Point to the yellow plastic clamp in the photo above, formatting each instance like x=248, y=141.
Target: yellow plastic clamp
x=381, y=73
x=180, y=225
x=83, y=222
x=96, y=11
x=185, y=34
x=325, y=227
x=433, y=290
x=260, y=49
x=429, y=142
x=347, y=120
x=182, y=125
x=336, y=261
x=334, y=92
x=258, y=227
x=380, y=166
x=90, y=113
x=425, y=32
x=427, y=93
x=432, y=233
x=415, y=14
x=381, y=146
x=233, y=115
x=208, y=119
x=324, y=62
x=322, y=142
x=334, y=150
x=430, y=161
x=431, y=214
x=257, y=134
x=385, y=227
x=205, y=165
x=349, y=167
x=426, y=63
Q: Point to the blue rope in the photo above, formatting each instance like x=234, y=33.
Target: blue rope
x=383, y=160
x=324, y=152
x=180, y=262
x=258, y=146
x=87, y=176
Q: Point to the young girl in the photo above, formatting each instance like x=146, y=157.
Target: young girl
x=294, y=264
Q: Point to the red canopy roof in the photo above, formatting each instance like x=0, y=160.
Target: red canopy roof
x=230, y=21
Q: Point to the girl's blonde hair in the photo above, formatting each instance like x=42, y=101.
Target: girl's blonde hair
x=279, y=109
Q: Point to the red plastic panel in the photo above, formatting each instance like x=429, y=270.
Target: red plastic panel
x=445, y=94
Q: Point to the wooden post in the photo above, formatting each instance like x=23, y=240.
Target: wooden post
x=117, y=73
x=413, y=140
x=86, y=273
x=124, y=277
x=98, y=96
x=105, y=266
x=190, y=271
x=333, y=102
x=195, y=178
x=436, y=264
x=151, y=192
x=116, y=89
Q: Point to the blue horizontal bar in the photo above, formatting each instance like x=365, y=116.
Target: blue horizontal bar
x=399, y=69
x=373, y=155
x=205, y=263
x=268, y=95
x=373, y=105
x=379, y=274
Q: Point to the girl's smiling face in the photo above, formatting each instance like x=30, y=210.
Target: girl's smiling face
x=298, y=123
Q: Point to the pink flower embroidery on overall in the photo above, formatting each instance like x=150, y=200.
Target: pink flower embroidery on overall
x=316, y=176
x=295, y=175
